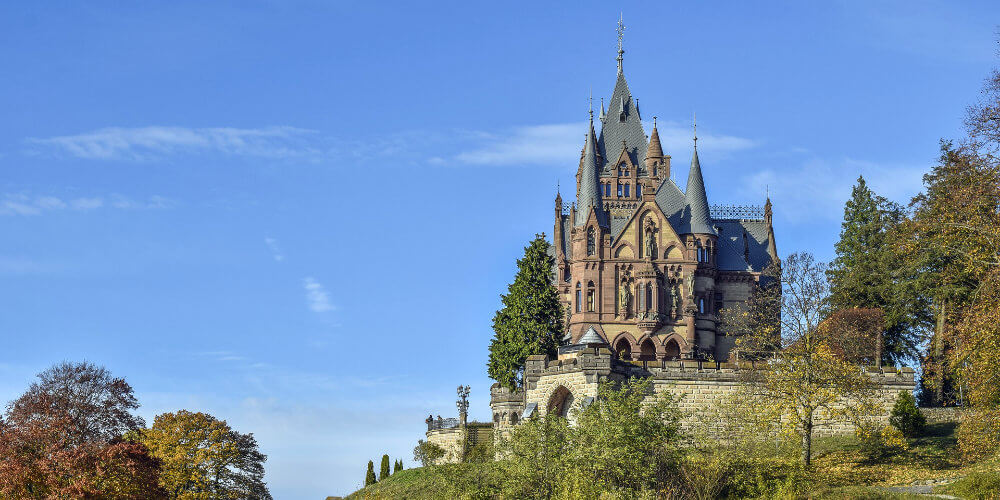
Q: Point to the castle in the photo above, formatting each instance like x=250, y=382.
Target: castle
x=643, y=270
x=640, y=264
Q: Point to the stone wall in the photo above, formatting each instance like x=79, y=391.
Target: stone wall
x=699, y=384
x=454, y=440
x=943, y=415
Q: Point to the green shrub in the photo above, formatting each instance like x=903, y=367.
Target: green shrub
x=978, y=485
x=427, y=453
x=979, y=434
x=879, y=442
x=906, y=416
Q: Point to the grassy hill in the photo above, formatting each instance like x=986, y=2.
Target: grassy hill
x=929, y=465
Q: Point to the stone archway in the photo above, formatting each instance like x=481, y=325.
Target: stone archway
x=647, y=350
x=672, y=350
x=560, y=402
x=623, y=348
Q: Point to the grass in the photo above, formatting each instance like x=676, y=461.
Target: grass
x=840, y=471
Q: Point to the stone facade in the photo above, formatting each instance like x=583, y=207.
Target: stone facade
x=558, y=384
x=456, y=441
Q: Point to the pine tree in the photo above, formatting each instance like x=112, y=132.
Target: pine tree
x=531, y=318
x=866, y=272
x=370, y=476
x=384, y=469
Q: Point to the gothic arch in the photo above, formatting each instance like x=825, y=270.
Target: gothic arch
x=672, y=350
x=624, y=346
x=560, y=402
x=647, y=350
x=625, y=251
x=673, y=253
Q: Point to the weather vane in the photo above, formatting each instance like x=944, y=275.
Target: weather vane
x=621, y=33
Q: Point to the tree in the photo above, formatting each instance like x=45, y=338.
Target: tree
x=63, y=439
x=950, y=246
x=370, y=475
x=397, y=466
x=204, y=458
x=427, y=453
x=530, y=320
x=384, y=469
x=906, y=417
x=865, y=272
x=806, y=379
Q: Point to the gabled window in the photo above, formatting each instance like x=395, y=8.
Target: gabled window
x=591, y=241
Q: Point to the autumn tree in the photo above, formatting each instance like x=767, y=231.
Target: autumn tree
x=866, y=271
x=204, y=458
x=63, y=438
x=530, y=320
x=804, y=381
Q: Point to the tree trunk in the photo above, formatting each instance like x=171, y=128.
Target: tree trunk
x=807, y=441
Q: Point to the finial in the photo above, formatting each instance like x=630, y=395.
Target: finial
x=696, y=130
x=654, y=122
x=557, y=187
x=591, y=100
x=621, y=32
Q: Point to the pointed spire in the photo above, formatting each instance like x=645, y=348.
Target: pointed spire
x=621, y=33
x=590, y=193
x=603, y=114
x=697, y=199
x=655, y=150
x=772, y=248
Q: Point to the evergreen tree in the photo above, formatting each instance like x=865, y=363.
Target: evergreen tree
x=531, y=318
x=866, y=271
x=370, y=476
x=384, y=469
x=398, y=466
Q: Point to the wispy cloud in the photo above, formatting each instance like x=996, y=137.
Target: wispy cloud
x=817, y=189
x=29, y=205
x=560, y=144
x=272, y=245
x=145, y=143
x=317, y=298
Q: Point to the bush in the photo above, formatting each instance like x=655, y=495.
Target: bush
x=977, y=485
x=879, y=442
x=427, y=453
x=906, y=416
x=979, y=434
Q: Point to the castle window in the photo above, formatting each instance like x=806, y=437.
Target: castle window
x=591, y=243
x=654, y=171
x=701, y=306
x=607, y=189
x=591, y=296
x=649, y=296
x=626, y=190
x=642, y=297
x=619, y=190
x=579, y=297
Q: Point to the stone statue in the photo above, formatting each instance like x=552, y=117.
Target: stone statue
x=689, y=284
x=668, y=300
x=678, y=300
x=650, y=240
x=625, y=299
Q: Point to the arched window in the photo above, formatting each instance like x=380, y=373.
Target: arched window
x=626, y=190
x=619, y=190
x=672, y=351
x=649, y=296
x=607, y=189
x=579, y=297
x=654, y=171
x=591, y=299
x=623, y=349
x=591, y=243
x=560, y=402
x=647, y=351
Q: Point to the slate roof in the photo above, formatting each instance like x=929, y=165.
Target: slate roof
x=687, y=211
x=591, y=337
x=614, y=130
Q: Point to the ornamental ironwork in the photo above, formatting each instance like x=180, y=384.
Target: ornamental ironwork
x=737, y=212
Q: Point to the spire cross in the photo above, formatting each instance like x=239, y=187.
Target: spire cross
x=696, y=130
x=621, y=33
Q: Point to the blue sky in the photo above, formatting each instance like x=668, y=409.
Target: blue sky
x=299, y=216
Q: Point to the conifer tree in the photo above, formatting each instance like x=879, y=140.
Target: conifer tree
x=370, y=476
x=384, y=469
x=530, y=320
x=866, y=272
x=398, y=466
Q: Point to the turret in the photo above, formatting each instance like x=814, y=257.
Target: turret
x=589, y=195
x=657, y=164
